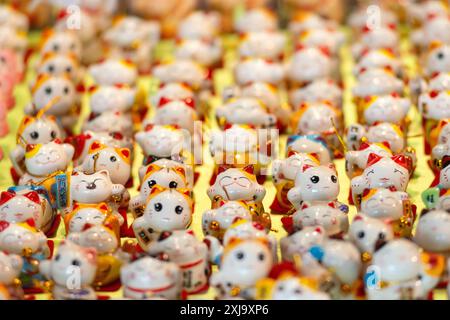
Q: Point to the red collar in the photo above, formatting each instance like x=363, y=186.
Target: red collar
x=170, y=286
x=190, y=265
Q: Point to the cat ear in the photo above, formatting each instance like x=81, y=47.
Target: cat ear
x=306, y=167
x=6, y=196
x=95, y=146
x=249, y=169
x=372, y=159
x=185, y=191
x=4, y=225
x=291, y=153
x=221, y=168
x=181, y=171
x=152, y=167
x=403, y=160
x=102, y=206
x=124, y=152
x=189, y=102
x=156, y=189
x=33, y=196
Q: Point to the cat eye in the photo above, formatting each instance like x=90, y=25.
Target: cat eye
x=361, y=234
x=334, y=179
x=151, y=183
x=298, y=291
x=261, y=256
x=178, y=209
x=66, y=90
x=56, y=47
x=48, y=90
x=381, y=236
x=53, y=134
x=113, y=159
x=34, y=135
x=51, y=68
x=240, y=255
x=69, y=69
x=315, y=179
x=158, y=206
x=58, y=256
x=173, y=184
x=76, y=262
x=440, y=55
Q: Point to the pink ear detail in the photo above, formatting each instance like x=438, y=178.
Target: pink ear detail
x=306, y=167
x=33, y=196
x=125, y=152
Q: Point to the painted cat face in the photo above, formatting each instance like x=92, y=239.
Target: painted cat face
x=168, y=210
x=384, y=204
x=48, y=88
x=181, y=71
x=288, y=168
x=162, y=176
x=317, y=118
x=176, y=113
x=60, y=65
x=247, y=261
x=112, y=72
x=435, y=105
x=378, y=58
x=236, y=184
x=15, y=237
x=387, y=132
x=334, y=221
x=200, y=51
x=92, y=215
x=216, y=221
x=160, y=141
x=253, y=70
x=71, y=255
x=172, y=91
x=438, y=60
x=398, y=260
x=21, y=207
x=149, y=277
x=91, y=188
x=117, y=161
x=377, y=82
x=302, y=144
x=432, y=232
x=369, y=234
x=10, y=267
x=246, y=111
x=317, y=91
x=359, y=158
x=309, y=64
x=244, y=230
x=301, y=241
x=235, y=139
x=383, y=173
x=256, y=20
x=44, y=159
x=102, y=123
x=131, y=29
x=181, y=246
x=265, y=45
x=62, y=42
x=199, y=25
x=315, y=184
x=98, y=237
x=40, y=130
x=386, y=109
x=293, y=289
x=110, y=98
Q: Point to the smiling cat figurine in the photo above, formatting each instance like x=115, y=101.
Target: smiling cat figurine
x=378, y=58
x=114, y=71
x=42, y=160
x=117, y=161
x=183, y=71
x=216, y=221
x=309, y=64
x=382, y=173
x=150, y=278
x=248, y=111
x=317, y=91
x=388, y=108
x=112, y=98
x=165, y=210
x=243, y=263
x=206, y=53
x=83, y=215
x=333, y=221
x=383, y=37
x=71, y=255
x=61, y=65
x=356, y=161
x=252, y=70
x=263, y=44
x=432, y=231
x=376, y=82
x=382, y=132
x=189, y=253
x=60, y=42
x=299, y=242
x=101, y=122
x=310, y=144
